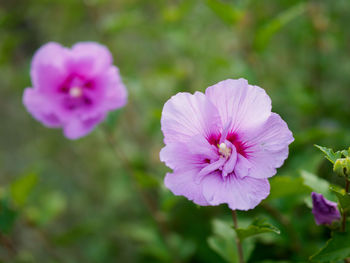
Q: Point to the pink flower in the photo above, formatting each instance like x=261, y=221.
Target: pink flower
x=73, y=88
x=223, y=145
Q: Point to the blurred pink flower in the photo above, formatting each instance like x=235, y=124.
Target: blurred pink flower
x=325, y=211
x=223, y=145
x=73, y=88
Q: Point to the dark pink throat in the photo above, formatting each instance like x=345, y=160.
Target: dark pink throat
x=76, y=92
x=214, y=139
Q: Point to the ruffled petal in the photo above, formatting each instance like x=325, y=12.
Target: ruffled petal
x=47, y=69
x=242, y=166
x=182, y=183
x=41, y=108
x=188, y=155
x=112, y=88
x=239, y=194
x=267, y=147
x=242, y=105
x=210, y=168
x=185, y=115
x=231, y=162
x=89, y=59
x=76, y=128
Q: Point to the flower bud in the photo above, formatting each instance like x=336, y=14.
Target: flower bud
x=339, y=166
x=325, y=211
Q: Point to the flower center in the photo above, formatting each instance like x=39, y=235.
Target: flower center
x=76, y=92
x=224, y=150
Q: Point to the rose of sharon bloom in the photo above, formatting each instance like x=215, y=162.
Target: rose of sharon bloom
x=325, y=211
x=73, y=88
x=223, y=145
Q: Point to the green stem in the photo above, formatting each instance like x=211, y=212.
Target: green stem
x=238, y=241
x=347, y=184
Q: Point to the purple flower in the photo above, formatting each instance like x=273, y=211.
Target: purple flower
x=325, y=211
x=223, y=145
x=73, y=88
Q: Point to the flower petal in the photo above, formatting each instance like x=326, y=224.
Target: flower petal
x=325, y=211
x=210, y=168
x=243, y=105
x=114, y=92
x=239, y=193
x=47, y=69
x=41, y=108
x=231, y=162
x=182, y=183
x=188, y=155
x=185, y=115
x=76, y=128
x=89, y=59
x=242, y=166
x=267, y=147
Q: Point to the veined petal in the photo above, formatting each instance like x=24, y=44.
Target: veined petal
x=267, y=146
x=185, y=115
x=242, y=167
x=209, y=169
x=188, y=155
x=231, y=162
x=243, y=105
x=182, y=183
x=239, y=193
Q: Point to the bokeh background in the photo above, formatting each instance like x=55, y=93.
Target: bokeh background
x=76, y=201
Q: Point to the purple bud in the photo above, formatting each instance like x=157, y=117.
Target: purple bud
x=325, y=211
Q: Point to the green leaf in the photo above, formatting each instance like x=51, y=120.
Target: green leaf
x=7, y=217
x=112, y=119
x=346, y=153
x=258, y=226
x=223, y=242
x=271, y=28
x=228, y=13
x=330, y=154
x=22, y=187
x=152, y=242
x=343, y=197
x=284, y=186
x=317, y=184
x=146, y=180
x=184, y=247
x=51, y=205
x=337, y=248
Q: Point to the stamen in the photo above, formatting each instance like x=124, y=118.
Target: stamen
x=224, y=150
x=75, y=92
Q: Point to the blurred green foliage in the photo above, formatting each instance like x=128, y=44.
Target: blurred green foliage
x=73, y=201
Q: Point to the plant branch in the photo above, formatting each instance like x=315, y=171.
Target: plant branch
x=7, y=243
x=347, y=184
x=238, y=241
x=45, y=239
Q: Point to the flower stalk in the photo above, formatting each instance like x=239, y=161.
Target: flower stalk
x=238, y=241
x=347, y=185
